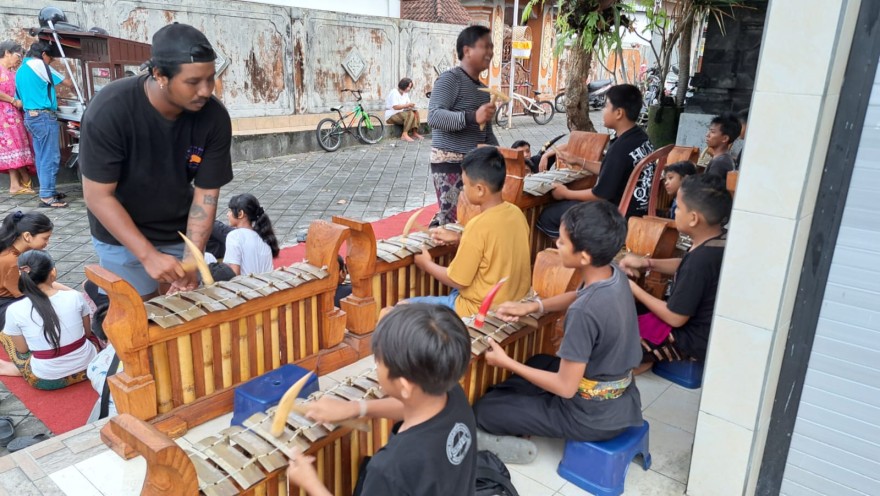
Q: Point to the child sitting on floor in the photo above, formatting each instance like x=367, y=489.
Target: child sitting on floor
x=251, y=246
x=19, y=233
x=421, y=353
x=47, y=334
x=723, y=131
x=494, y=244
x=673, y=174
x=586, y=392
x=678, y=328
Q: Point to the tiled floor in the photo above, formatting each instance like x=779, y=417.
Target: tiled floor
x=670, y=410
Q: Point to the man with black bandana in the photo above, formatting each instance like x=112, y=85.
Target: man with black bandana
x=155, y=151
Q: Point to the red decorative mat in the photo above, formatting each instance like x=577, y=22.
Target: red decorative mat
x=384, y=228
x=61, y=410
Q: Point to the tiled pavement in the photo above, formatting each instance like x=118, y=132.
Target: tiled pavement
x=369, y=182
x=77, y=463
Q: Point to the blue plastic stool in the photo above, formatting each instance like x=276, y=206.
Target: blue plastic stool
x=263, y=392
x=600, y=468
x=686, y=374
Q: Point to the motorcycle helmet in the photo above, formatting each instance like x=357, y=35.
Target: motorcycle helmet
x=53, y=14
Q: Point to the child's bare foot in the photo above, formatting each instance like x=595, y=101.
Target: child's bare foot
x=418, y=136
x=406, y=137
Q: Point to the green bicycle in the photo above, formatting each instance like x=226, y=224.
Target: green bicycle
x=370, y=128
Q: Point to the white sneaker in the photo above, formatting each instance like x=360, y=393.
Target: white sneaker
x=510, y=449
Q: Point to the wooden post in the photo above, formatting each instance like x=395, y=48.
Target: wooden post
x=360, y=305
x=323, y=243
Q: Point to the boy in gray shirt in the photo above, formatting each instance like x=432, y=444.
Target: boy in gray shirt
x=586, y=392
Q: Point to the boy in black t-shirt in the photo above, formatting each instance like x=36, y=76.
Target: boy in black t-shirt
x=586, y=392
x=723, y=131
x=421, y=352
x=622, y=106
x=673, y=175
x=678, y=329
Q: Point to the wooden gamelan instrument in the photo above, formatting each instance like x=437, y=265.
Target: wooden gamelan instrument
x=183, y=354
x=249, y=460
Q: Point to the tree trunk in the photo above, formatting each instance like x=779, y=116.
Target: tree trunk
x=684, y=61
x=577, y=102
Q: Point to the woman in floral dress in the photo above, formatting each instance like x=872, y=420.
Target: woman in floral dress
x=16, y=156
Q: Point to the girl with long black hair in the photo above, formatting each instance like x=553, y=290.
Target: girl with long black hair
x=19, y=233
x=46, y=333
x=250, y=247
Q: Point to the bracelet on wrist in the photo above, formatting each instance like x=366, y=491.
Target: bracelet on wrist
x=362, y=406
x=540, y=305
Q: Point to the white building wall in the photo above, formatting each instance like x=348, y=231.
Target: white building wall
x=803, y=57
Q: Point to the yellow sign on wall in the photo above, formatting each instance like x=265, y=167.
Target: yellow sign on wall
x=522, y=49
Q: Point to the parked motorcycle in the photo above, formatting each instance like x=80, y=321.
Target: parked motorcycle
x=596, y=95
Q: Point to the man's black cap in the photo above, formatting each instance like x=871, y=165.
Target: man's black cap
x=181, y=44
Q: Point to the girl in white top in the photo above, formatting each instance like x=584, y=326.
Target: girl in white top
x=250, y=247
x=399, y=110
x=46, y=333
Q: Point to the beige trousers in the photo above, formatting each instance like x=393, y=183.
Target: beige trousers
x=407, y=119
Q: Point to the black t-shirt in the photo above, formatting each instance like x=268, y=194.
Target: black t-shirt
x=623, y=154
x=721, y=165
x=152, y=160
x=693, y=292
x=602, y=330
x=434, y=458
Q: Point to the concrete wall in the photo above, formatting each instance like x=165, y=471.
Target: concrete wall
x=282, y=60
x=386, y=8
x=804, y=53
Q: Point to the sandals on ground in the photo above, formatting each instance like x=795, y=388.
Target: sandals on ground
x=7, y=430
x=21, y=443
x=53, y=203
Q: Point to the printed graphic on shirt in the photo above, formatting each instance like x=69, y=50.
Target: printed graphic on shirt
x=193, y=159
x=458, y=443
x=642, y=193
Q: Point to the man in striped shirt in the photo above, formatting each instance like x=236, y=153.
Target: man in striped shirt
x=460, y=117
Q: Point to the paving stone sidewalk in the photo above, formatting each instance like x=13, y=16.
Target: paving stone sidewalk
x=369, y=182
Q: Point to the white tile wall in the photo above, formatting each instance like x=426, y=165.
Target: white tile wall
x=801, y=37
x=719, y=466
x=775, y=169
x=804, y=51
x=733, y=385
x=755, y=265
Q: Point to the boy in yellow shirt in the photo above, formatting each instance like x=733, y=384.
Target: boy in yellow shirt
x=494, y=244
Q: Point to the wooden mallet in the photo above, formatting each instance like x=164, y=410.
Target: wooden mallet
x=494, y=96
x=199, y=260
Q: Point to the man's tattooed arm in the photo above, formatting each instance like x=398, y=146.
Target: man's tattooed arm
x=201, y=216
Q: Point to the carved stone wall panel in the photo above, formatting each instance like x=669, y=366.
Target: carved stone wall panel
x=254, y=39
x=332, y=38
x=426, y=49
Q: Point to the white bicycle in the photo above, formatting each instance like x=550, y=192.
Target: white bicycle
x=542, y=111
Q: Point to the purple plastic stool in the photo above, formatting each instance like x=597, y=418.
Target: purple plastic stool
x=600, y=468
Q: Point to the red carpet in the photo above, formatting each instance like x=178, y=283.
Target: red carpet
x=383, y=228
x=66, y=409
x=61, y=410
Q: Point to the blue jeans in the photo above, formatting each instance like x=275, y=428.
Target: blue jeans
x=118, y=260
x=446, y=301
x=47, y=150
